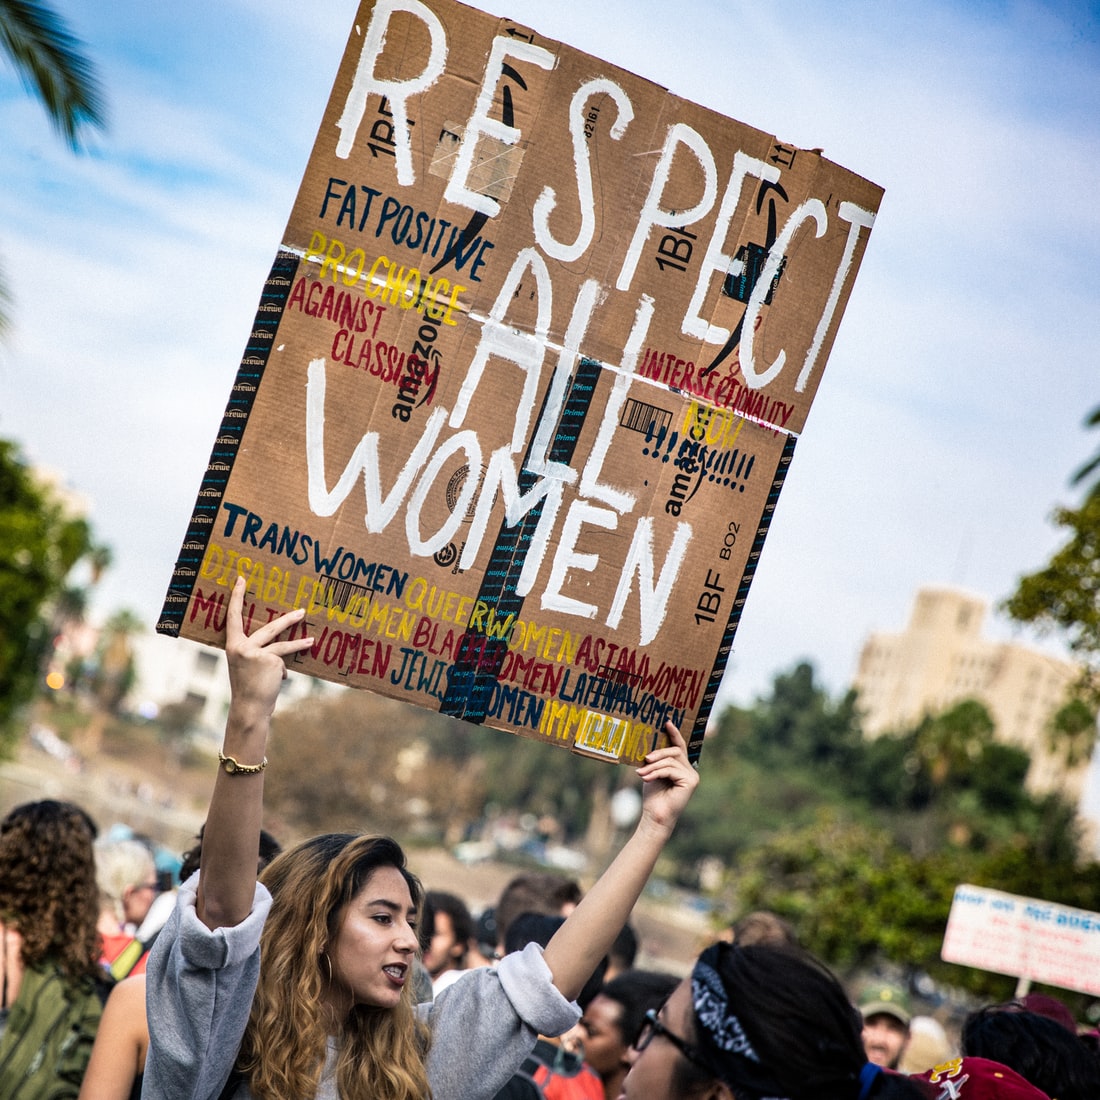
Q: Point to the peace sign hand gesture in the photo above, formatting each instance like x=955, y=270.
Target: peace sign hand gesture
x=257, y=665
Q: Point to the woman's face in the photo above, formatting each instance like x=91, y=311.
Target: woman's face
x=372, y=954
x=652, y=1074
x=602, y=1035
x=138, y=899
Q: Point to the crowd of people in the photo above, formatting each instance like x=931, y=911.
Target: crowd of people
x=327, y=971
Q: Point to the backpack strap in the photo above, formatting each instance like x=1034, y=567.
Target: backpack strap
x=131, y=955
x=126, y=959
x=524, y=1085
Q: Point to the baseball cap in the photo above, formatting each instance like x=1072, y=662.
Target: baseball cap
x=885, y=1000
x=979, y=1079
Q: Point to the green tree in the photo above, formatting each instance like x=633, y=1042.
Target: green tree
x=52, y=67
x=115, y=671
x=40, y=543
x=798, y=719
x=861, y=842
x=768, y=767
x=856, y=896
x=1072, y=732
x=1065, y=594
x=852, y=893
x=954, y=740
x=1092, y=467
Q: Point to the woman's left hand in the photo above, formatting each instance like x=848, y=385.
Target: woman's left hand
x=669, y=780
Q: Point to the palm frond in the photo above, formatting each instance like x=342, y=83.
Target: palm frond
x=1093, y=465
x=51, y=64
x=5, y=306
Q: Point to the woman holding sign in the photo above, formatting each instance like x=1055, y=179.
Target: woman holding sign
x=329, y=1012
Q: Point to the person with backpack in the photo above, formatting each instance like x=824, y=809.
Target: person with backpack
x=52, y=987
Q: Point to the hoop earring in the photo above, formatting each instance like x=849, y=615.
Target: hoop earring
x=328, y=963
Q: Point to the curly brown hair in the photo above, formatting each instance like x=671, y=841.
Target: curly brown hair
x=47, y=884
x=284, y=1046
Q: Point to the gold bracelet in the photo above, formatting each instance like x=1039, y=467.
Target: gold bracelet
x=232, y=767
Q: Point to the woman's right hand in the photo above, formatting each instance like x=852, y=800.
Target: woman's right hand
x=256, y=669
x=257, y=665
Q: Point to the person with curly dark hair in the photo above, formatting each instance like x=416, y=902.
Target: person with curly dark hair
x=1038, y=1047
x=51, y=985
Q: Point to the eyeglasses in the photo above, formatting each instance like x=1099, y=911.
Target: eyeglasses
x=653, y=1026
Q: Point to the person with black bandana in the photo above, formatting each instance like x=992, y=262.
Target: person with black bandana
x=766, y=1022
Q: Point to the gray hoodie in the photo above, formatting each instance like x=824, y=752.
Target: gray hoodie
x=199, y=991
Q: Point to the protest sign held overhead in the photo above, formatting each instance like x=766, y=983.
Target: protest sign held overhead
x=523, y=384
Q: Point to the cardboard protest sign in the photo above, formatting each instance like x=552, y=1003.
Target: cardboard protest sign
x=523, y=385
x=1024, y=937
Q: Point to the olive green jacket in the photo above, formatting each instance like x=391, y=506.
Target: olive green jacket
x=47, y=1041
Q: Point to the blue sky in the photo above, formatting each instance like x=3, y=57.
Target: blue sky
x=950, y=414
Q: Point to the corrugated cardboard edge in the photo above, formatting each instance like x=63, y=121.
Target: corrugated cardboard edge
x=269, y=314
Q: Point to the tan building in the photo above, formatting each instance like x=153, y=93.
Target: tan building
x=941, y=658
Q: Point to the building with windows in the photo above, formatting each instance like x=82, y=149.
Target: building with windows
x=942, y=658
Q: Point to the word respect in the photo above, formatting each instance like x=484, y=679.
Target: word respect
x=560, y=499
x=722, y=200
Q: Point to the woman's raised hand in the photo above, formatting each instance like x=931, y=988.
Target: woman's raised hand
x=669, y=780
x=257, y=665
